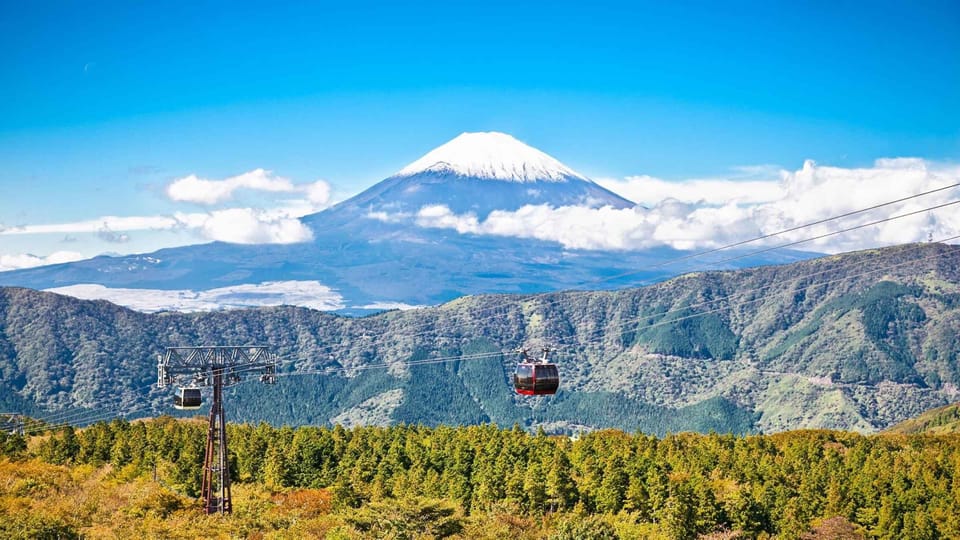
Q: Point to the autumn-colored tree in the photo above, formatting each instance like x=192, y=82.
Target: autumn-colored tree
x=682, y=485
x=834, y=528
x=406, y=519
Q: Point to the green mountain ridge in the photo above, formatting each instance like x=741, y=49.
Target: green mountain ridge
x=855, y=341
x=939, y=421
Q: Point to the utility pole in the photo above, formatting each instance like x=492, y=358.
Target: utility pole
x=217, y=367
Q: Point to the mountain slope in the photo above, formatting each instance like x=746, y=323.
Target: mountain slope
x=939, y=421
x=856, y=341
x=477, y=173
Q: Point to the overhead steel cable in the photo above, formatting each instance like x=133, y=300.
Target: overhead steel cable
x=773, y=234
x=92, y=416
x=109, y=414
x=483, y=356
x=86, y=416
x=797, y=279
x=410, y=363
x=78, y=415
x=755, y=300
x=797, y=242
x=103, y=416
x=680, y=309
x=756, y=239
x=651, y=325
x=81, y=416
x=39, y=423
x=330, y=349
x=560, y=294
x=89, y=416
x=834, y=233
x=54, y=416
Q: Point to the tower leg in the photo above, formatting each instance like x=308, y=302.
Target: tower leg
x=216, y=466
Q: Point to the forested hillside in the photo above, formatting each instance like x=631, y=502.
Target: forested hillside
x=856, y=341
x=939, y=421
x=141, y=479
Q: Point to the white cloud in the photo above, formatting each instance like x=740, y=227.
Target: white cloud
x=236, y=225
x=690, y=214
x=439, y=216
x=318, y=192
x=205, y=191
x=113, y=223
x=248, y=226
x=647, y=190
x=388, y=217
x=699, y=214
x=391, y=305
x=26, y=260
x=311, y=294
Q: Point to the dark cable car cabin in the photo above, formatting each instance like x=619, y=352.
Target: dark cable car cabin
x=187, y=399
x=536, y=378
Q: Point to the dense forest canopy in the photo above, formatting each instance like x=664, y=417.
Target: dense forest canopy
x=479, y=481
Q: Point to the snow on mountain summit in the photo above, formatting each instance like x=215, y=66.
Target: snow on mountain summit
x=494, y=156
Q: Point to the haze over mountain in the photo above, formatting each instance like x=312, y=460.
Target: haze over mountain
x=408, y=240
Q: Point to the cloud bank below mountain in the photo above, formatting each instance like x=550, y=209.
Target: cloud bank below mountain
x=688, y=214
x=311, y=294
x=25, y=260
x=709, y=213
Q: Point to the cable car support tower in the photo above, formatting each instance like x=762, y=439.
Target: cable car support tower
x=216, y=367
x=12, y=423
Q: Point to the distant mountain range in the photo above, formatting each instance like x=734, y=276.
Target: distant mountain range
x=856, y=341
x=394, y=245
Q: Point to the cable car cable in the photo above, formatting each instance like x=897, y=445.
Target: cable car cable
x=770, y=235
x=797, y=279
x=651, y=325
x=778, y=233
x=83, y=415
x=324, y=371
x=789, y=244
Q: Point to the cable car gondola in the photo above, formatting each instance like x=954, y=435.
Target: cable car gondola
x=187, y=399
x=536, y=378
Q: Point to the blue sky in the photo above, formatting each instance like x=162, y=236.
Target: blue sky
x=106, y=103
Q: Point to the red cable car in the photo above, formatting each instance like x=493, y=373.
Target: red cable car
x=536, y=377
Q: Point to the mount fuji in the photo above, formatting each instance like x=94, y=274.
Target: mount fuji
x=480, y=173
x=374, y=251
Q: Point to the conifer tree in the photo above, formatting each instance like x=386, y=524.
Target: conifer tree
x=561, y=491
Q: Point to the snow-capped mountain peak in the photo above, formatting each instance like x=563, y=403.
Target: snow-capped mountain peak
x=494, y=156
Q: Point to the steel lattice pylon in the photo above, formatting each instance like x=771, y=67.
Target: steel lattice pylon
x=215, y=366
x=11, y=423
